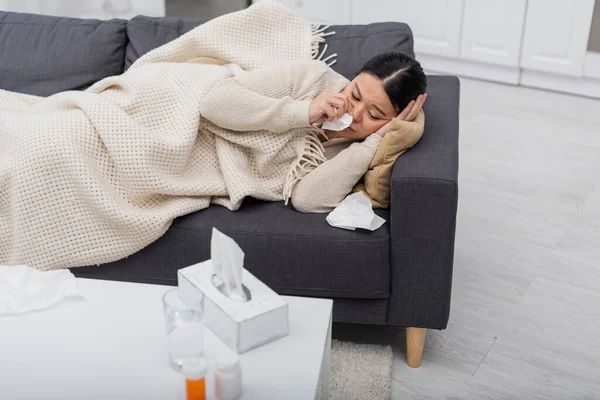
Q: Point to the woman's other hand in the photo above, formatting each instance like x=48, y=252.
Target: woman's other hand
x=412, y=109
x=383, y=130
x=327, y=106
x=408, y=114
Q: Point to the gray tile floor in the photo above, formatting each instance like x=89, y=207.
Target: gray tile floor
x=525, y=316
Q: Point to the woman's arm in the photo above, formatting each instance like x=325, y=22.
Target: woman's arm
x=274, y=98
x=327, y=185
x=232, y=106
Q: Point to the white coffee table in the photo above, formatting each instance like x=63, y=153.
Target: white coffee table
x=112, y=345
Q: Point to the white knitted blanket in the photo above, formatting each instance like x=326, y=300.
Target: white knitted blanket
x=91, y=177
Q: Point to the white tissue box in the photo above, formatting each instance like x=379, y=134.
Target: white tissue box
x=241, y=325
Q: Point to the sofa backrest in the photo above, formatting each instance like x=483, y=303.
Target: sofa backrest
x=43, y=55
x=354, y=44
x=146, y=33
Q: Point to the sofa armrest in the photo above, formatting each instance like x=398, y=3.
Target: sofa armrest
x=423, y=204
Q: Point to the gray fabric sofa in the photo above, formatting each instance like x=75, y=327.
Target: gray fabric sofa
x=398, y=275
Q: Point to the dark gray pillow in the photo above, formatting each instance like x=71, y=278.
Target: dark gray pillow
x=147, y=33
x=43, y=55
x=356, y=44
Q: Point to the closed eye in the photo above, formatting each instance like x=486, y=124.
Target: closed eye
x=374, y=118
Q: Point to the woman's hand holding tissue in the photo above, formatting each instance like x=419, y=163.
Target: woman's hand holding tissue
x=327, y=106
x=409, y=114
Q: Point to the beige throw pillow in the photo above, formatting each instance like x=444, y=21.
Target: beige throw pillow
x=402, y=135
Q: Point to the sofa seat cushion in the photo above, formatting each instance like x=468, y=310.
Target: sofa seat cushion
x=293, y=253
x=43, y=55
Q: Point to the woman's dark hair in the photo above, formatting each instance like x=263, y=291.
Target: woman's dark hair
x=402, y=76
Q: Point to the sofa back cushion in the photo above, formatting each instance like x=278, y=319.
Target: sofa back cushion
x=147, y=33
x=42, y=55
x=354, y=44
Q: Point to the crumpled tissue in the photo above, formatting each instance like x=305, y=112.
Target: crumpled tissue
x=24, y=289
x=338, y=124
x=355, y=211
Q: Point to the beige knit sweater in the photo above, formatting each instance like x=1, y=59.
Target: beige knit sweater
x=265, y=100
x=327, y=185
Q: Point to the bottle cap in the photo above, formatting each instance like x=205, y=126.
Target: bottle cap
x=194, y=370
x=227, y=361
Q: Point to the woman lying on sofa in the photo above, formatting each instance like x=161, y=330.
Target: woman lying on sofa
x=229, y=110
x=389, y=86
x=91, y=177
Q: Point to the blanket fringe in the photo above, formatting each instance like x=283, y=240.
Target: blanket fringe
x=313, y=157
x=318, y=36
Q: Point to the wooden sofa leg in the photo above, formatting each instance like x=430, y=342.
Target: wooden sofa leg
x=415, y=341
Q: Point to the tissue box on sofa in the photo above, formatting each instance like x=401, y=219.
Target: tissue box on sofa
x=241, y=325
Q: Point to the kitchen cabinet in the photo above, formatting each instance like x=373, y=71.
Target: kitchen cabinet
x=540, y=43
x=556, y=35
x=538, y=35
x=492, y=31
x=436, y=24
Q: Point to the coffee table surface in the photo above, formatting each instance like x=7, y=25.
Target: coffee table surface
x=112, y=345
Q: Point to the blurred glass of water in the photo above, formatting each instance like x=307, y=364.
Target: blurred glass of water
x=185, y=333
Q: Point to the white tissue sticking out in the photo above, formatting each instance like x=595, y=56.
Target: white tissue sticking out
x=353, y=212
x=24, y=289
x=338, y=124
x=228, y=262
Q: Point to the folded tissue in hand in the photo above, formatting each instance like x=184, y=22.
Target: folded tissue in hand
x=240, y=309
x=355, y=211
x=24, y=289
x=338, y=124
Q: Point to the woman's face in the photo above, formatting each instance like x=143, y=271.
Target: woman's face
x=369, y=106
